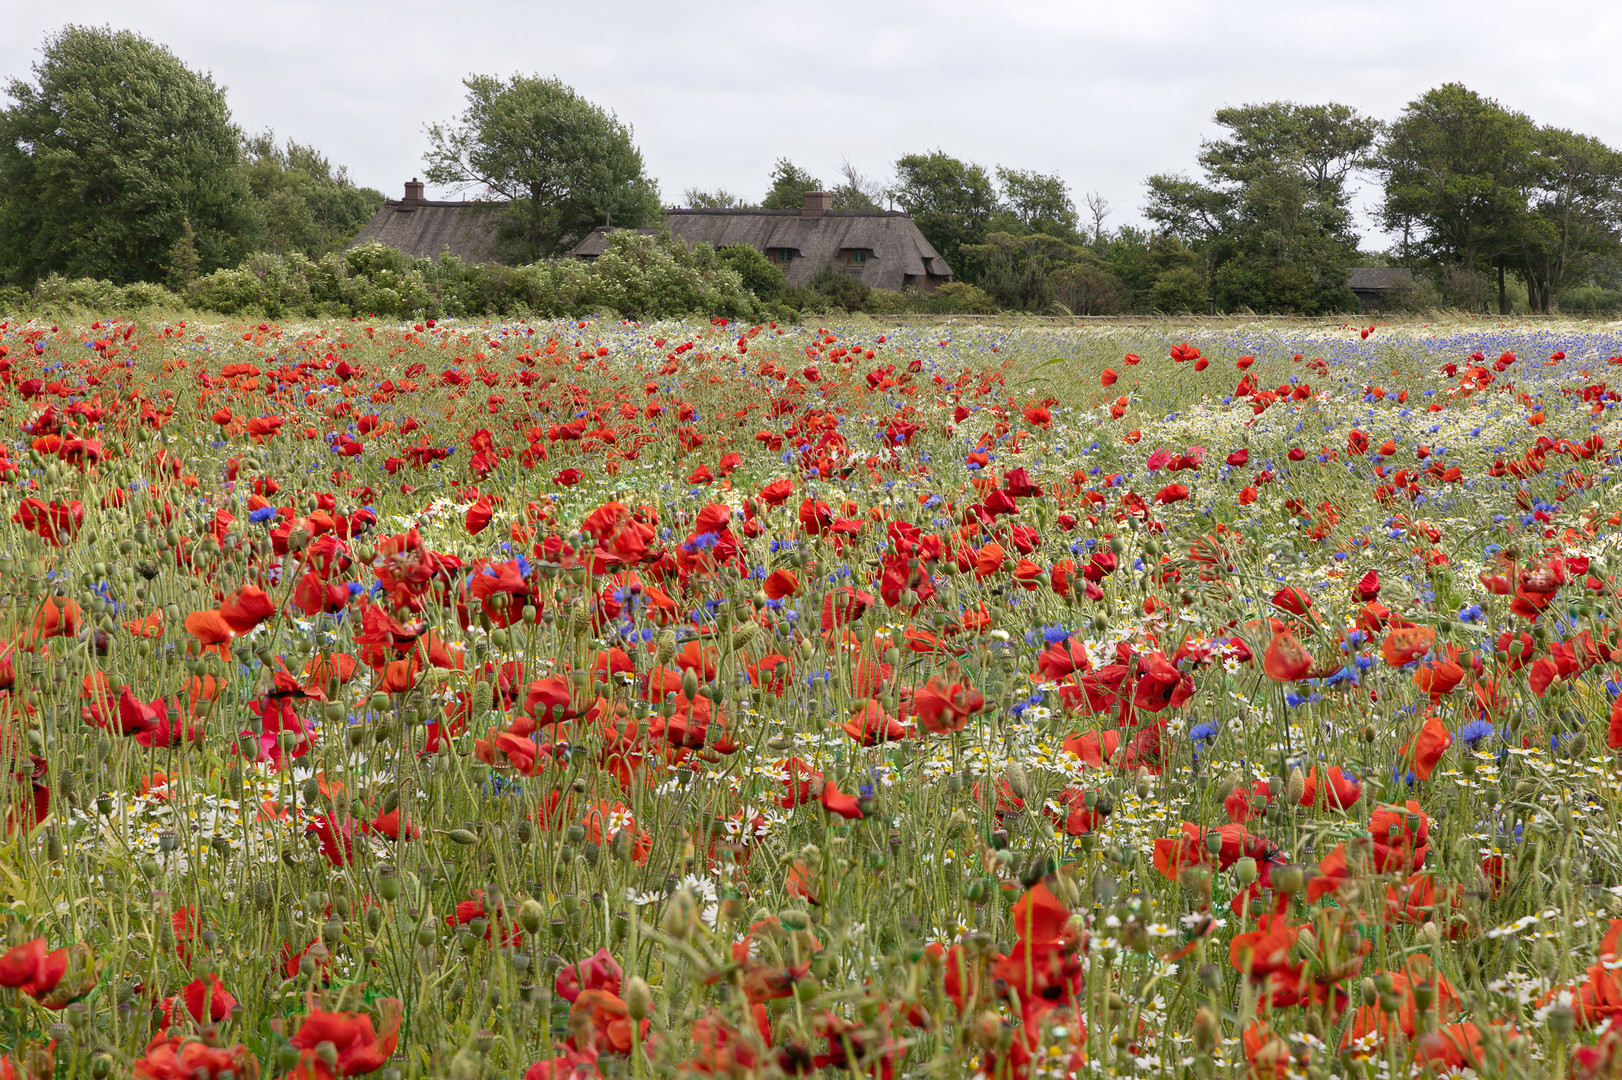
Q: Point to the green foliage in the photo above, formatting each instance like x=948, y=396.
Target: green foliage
x=789, y=185
x=563, y=164
x=91, y=294
x=1040, y=204
x=951, y=202
x=959, y=298
x=1456, y=167
x=1177, y=291
x=760, y=275
x=1272, y=213
x=639, y=274
x=839, y=291
x=719, y=199
x=304, y=204
x=649, y=276
x=107, y=155
x=1572, y=222
x=855, y=191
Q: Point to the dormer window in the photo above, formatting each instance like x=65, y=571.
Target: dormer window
x=782, y=256
x=856, y=256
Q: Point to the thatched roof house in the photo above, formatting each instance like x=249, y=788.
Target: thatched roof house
x=1378, y=287
x=428, y=229
x=881, y=247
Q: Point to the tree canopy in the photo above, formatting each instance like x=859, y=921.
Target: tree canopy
x=304, y=204
x=115, y=153
x=789, y=185
x=1272, y=212
x=563, y=164
x=951, y=201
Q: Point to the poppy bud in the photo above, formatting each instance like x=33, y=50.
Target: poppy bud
x=638, y=998
x=681, y=915
x=1207, y=1030
x=1244, y=871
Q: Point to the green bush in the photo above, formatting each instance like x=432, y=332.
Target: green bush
x=1591, y=300
x=1178, y=291
x=959, y=298
x=760, y=275
x=93, y=294
x=889, y=302
x=841, y=291
x=653, y=275
x=649, y=276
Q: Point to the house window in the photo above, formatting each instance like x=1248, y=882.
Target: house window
x=856, y=257
x=783, y=255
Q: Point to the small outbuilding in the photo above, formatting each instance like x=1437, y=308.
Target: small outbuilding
x=1378, y=287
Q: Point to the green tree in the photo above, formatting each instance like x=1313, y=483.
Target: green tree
x=1041, y=204
x=1575, y=206
x=1457, y=168
x=1271, y=216
x=855, y=191
x=304, y=203
x=563, y=164
x=107, y=155
x=789, y=185
x=719, y=199
x=951, y=201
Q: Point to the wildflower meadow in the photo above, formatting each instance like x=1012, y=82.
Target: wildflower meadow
x=697, y=698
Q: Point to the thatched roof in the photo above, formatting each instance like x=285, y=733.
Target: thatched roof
x=896, y=252
x=1378, y=278
x=428, y=229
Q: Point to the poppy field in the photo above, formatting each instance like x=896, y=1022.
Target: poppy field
x=575, y=699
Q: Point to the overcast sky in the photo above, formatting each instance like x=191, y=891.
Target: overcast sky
x=1102, y=93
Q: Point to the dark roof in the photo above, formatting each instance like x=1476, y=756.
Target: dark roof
x=427, y=229
x=1378, y=278
x=896, y=249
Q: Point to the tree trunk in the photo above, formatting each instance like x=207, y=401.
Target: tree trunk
x=1503, y=298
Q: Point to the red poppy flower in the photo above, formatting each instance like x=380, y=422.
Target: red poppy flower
x=360, y=1048
x=1286, y=659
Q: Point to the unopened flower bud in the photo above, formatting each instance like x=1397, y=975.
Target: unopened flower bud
x=1207, y=1030
x=638, y=998
x=681, y=915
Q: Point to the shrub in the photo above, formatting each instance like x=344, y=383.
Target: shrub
x=95, y=294
x=1177, y=291
x=960, y=298
x=888, y=302
x=841, y=291
x=654, y=275
x=760, y=275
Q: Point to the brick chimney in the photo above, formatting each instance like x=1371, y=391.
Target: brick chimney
x=413, y=194
x=816, y=204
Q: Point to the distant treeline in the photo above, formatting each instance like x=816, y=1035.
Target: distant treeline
x=121, y=169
